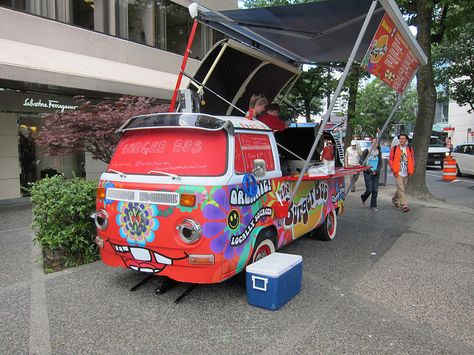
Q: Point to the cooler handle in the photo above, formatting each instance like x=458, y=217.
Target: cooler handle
x=260, y=288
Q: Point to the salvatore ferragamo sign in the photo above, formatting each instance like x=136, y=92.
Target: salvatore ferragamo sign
x=50, y=104
x=13, y=101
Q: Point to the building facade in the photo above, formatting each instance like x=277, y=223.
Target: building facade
x=462, y=123
x=53, y=50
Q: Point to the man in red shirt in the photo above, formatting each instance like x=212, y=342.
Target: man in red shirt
x=271, y=118
x=327, y=156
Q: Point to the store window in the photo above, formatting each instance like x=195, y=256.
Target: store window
x=34, y=162
x=14, y=4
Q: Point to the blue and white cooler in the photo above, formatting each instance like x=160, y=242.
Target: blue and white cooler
x=274, y=280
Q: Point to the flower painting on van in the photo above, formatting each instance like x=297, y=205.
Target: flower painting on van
x=137, y=222
x=223, y=222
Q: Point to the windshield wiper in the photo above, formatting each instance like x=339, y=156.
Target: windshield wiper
x=156, y=172
x=122, y=175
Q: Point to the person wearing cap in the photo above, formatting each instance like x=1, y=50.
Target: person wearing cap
x=352, y=158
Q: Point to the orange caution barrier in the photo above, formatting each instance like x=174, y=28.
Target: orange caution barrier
x=449, y=169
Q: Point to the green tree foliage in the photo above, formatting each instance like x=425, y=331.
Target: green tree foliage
x=62, y=223
x=312, y=86
x=455, y=66
x=92, y=126
x=436, y=20
x=375, y=102
x=309, y=90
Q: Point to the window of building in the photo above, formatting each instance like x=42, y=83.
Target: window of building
x=83, y=13
x=159, y=23
x=141, y=21
x=162, y=24
x=14, y=4
x=178, y=29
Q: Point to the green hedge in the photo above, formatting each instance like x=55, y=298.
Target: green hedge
x=62, y=223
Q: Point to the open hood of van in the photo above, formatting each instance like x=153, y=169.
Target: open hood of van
x=236, y=72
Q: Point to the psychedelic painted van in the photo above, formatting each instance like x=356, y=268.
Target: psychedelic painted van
x=197, y=197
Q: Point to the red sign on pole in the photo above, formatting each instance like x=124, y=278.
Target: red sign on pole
x=389, y=58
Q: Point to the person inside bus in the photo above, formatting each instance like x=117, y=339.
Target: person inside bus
x=257, y=106
x=327, y=156
x=271, y=117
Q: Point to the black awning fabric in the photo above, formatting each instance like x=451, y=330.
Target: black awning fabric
x=236, y=77
x=317, y=32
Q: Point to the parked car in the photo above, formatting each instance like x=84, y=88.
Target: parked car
x=436, y=152
x=464, y=155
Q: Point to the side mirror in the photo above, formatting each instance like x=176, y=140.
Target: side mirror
x=259, y=168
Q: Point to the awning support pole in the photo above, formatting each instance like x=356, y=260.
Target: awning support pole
x=211, y=70
x=183, y=65
x=336, y=95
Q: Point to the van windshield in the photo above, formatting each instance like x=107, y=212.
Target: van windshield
x=183, y=152
x=436, y=142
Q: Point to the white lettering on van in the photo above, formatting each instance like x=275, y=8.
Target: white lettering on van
x=299, y=213
x=187, y=146
x=144, y=148
x=237, y=240
x=239, y=198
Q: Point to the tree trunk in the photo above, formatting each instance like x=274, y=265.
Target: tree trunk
x=353, y=79
x=426, y=103
x=307, y=109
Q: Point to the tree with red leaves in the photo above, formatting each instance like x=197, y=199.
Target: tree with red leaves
x=92, y=127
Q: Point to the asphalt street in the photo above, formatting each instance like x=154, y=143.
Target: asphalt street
x=459, y=191
x=389, y=283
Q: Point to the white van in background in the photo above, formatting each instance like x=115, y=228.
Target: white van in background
x=437, y=151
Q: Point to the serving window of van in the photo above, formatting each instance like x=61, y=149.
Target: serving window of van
x=249, y=147
x=184, y=152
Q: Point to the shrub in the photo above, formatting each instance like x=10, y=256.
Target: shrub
x=62, y=223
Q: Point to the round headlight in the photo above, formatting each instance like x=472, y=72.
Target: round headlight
x=101, y=219
x=189, y=231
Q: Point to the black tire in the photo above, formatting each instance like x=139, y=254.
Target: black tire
x=327, y=230
x=264, y=246
x=458, y=171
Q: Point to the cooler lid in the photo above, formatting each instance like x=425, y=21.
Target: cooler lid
x=275, y=264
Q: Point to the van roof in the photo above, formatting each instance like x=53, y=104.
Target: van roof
x=191, y=120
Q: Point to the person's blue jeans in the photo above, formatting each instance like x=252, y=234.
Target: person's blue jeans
x=371, y=188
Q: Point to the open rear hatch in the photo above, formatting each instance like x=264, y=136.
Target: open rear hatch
x=236, y=72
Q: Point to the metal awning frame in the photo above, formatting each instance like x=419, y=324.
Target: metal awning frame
x=391, y=9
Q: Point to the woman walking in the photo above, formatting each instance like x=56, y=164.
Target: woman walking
x=372, y=176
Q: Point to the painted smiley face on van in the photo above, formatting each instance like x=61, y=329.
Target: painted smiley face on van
x=233, y=219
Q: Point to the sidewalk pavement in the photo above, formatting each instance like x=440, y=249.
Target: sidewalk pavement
x=390, y=282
